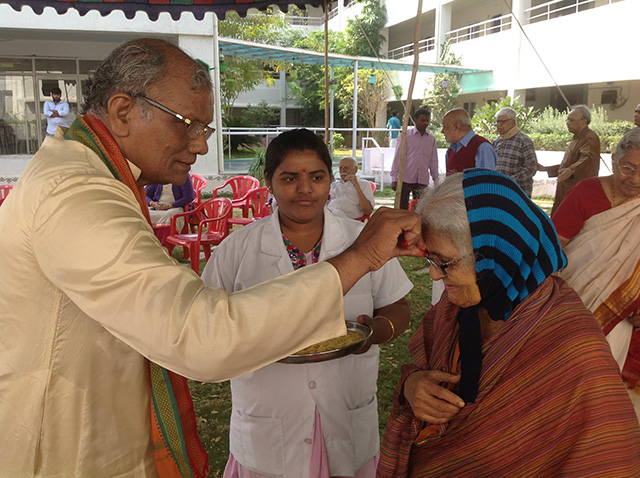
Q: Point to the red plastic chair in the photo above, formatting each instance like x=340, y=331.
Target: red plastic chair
x=199, y=183
x=240, y=186
x=366, y=217
x=4, y=191
x=212, y=229
x=258, y=200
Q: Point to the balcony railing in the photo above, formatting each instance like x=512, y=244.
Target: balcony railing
x=305, y=21
x=334, y=13
x=559, y=8
x=477, y=30
x=407, y=50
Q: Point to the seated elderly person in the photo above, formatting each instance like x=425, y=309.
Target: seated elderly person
x=598, y=224
x=350, y=195
x=168, y=200
x=512, y=375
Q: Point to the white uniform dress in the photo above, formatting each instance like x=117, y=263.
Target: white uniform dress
x=273, y=408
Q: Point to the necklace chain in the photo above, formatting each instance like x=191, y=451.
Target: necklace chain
x=614, y=202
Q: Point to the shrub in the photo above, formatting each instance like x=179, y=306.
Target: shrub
x=338, y=141
x=551, y=141
x=484, y=118
x=257, y=167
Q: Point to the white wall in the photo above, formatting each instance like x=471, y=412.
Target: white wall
x=93, y=37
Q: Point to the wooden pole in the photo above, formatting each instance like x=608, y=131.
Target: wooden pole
x=407, y=106
x=326, y=72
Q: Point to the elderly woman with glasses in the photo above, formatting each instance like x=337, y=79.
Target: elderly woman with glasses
x=598, y=224
x=512, y=375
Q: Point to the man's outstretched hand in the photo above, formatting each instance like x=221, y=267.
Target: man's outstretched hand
x=388, y=233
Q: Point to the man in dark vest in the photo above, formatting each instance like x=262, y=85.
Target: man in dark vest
x=467, y=150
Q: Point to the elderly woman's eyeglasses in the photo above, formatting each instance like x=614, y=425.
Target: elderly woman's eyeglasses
x=195, y=129
x=443, y=267
x=627, y=171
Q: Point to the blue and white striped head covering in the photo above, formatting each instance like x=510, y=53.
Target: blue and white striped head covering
x=516, y=248
x=515, y=244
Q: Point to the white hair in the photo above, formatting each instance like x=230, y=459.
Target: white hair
x=443, y=211
x=586, y=112
x=510, y=113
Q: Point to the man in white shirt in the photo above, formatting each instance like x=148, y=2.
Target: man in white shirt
x=56, y=111
x=350, y=195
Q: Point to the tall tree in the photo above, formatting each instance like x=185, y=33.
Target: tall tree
x=361, y=38
x=372, y=96
x=442, y=91
x=244, y=74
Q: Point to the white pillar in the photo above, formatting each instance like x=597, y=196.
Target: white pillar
x=202, y=48
x=517, y=9
x=443, y=25
x=354, y=124
x=283, y=100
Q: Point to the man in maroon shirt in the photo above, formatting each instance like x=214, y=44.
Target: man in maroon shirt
x=468, y=149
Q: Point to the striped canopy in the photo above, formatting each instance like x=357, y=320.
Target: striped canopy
x=154, y=7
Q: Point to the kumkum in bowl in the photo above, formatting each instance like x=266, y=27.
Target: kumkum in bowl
x=356, y=338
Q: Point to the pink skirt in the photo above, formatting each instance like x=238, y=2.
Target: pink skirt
x=318, y=464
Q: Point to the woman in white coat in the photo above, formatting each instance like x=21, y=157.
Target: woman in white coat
x=315, y=420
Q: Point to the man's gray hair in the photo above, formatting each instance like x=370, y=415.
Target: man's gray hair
x=586, y=112
x=507, y=111
x=444, y=212
x=131, y=68
x=354, y=161
x=630, y=140
x=460, y=116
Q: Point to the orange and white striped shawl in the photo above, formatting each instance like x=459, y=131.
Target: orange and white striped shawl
x=550, y=400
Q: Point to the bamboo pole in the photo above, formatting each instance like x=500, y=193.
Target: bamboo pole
x=407, y=106
x=326, y=72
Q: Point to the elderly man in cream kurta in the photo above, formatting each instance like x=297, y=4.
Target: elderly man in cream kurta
x=89, y=296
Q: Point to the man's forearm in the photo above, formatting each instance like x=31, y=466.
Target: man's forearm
x=350, y=268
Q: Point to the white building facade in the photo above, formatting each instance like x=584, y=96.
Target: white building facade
x=530, y=46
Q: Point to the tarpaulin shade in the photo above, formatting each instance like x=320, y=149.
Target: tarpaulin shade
x=154, y=7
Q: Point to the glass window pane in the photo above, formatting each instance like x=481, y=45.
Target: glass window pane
x=88, y=67
x=15, y=65
x=56, y=66
x=18, y=124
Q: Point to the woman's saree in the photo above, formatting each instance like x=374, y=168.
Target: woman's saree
x=604, y=268
x=550, y=400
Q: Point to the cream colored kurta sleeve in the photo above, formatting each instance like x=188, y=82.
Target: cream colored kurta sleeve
x=92, y=242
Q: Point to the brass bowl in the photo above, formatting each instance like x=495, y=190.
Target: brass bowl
x=352, y=348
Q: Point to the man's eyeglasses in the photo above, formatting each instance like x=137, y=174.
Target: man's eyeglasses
x=503, y=121
x=195, y=129
x=627, y=171
x=443, y=267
